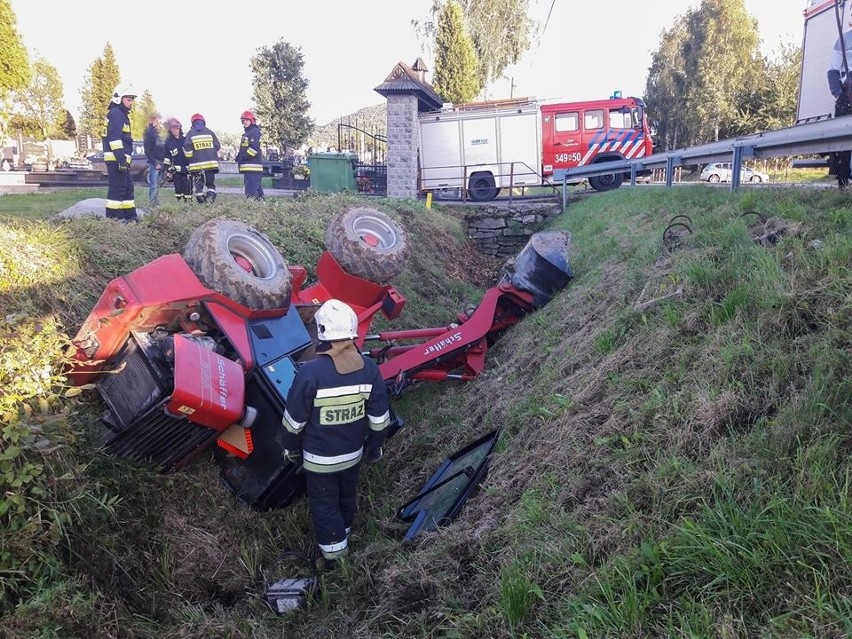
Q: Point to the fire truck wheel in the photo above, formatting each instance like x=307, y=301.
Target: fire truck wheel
x=481, y=187
x=368, y=244
x=608, y=182
x=239, y=262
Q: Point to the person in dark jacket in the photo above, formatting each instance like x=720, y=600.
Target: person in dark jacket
x=338, y=406
x=154, y=154
x=175, y=161
x=250, y=157
x=840, y=87
x=201, y=148
x=118, y=152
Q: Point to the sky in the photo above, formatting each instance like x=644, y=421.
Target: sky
x=195, y=58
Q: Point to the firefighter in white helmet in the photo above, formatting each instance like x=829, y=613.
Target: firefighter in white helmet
x=338, y=405
x=118, y=152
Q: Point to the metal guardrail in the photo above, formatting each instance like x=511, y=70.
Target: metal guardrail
x=824, y=136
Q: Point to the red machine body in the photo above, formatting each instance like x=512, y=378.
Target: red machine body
x=181, y=366
x=208, y=389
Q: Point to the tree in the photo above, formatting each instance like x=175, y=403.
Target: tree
x=665, y=87
x=96, y=93
x=499, y=30
x=279, y=93
x=773, y=105
x=142, y=110
x=704, y=73
x=726, y=67
x=41, y=100
x=67, y=126
x=14, y=62
x=456, y=75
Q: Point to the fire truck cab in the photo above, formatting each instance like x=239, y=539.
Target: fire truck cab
x=580, y=133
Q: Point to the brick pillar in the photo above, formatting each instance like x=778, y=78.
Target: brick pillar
x=403, y=142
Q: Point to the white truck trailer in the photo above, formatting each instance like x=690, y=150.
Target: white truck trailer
x=482, y=149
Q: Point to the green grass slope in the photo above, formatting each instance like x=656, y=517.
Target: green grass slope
x=674, y=458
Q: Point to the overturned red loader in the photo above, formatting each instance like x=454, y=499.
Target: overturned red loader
x=201, y=348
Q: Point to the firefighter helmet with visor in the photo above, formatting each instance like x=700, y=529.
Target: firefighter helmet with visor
x=121, y=91
x=336, y=320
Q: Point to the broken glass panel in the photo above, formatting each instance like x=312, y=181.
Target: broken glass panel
x=442, y=497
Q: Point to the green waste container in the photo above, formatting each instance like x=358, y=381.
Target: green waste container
x=332, y=172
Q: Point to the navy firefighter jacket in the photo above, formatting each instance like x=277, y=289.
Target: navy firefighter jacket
x=175, y=157
x=335, y=413
x=117, y=140
x=250, y=157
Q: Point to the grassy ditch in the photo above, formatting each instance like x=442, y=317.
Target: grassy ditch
x=674, y=457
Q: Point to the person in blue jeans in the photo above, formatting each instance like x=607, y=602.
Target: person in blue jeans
x=155, y=153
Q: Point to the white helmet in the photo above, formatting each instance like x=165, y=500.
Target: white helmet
x=121, y=90
x=336, y=320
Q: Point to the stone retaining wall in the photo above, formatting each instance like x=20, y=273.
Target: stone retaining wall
x=503, y=231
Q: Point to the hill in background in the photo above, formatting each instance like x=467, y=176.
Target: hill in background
x=371, y=119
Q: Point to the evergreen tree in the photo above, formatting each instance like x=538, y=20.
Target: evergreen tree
x=280, y=95
x=14, y=63
x=456, y=76
x=499, y=30
x=143, y=107
x=67, y=127
x=96, y=93
x=40, y=101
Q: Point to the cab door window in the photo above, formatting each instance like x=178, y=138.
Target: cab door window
x=565, y=151
x=593, y=119
x=620, y=120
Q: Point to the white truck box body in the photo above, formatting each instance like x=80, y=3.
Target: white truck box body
x=505, y=142
x=815, y=101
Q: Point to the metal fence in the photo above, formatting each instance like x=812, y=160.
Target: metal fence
x=825, y=136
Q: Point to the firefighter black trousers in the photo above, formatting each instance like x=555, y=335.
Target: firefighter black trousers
x=183, y=187
x=120, y=203
x=205, y=180
x=840, y=159
x=252, y=184
x=332, y=499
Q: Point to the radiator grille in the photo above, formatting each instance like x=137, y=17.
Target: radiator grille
x=132, y=386
x=160, y=440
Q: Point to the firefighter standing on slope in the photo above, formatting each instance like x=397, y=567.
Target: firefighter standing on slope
x=175, y=161
x=250, y=157
x=338, y=405
x=118, y=151
x=201, y=148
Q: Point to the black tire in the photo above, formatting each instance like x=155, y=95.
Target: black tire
x=756, y=179
x=212, y=253
x=481, y=187
x=368, y=244
x=608, y=182
x=714, y=178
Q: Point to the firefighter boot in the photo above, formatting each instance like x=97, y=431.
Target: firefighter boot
x=211, y=196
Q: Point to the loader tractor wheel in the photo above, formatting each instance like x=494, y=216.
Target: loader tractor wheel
x=368, y=244
x=241, y=263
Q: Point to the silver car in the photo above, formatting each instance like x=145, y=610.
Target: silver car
x=721, y=172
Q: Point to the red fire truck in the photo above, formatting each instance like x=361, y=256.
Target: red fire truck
x=485, y=146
